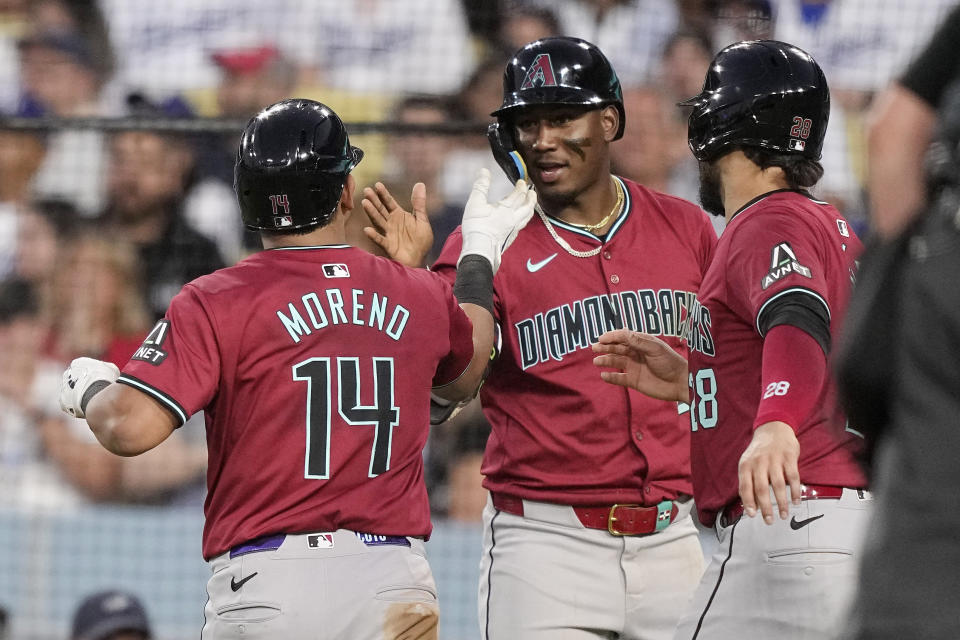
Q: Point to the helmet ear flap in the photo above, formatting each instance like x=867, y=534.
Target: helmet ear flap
x=504, y=151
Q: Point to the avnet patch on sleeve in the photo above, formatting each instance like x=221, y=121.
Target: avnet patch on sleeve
x=151, y=350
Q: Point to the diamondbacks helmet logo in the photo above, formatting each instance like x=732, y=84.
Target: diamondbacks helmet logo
x=783, y=262
x=540, y=73
x=558, y=71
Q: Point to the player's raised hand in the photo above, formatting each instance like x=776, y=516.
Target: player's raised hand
x=488, y=229
x=642, y=362
x=770, y=461
x=405, y=236
x=82, y=380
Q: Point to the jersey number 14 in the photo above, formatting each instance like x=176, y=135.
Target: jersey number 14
x=383, y=415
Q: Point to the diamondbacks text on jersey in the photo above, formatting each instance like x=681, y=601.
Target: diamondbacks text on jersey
x=555, y=443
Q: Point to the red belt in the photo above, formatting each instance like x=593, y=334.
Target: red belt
x=617, y=519
x=732, y=512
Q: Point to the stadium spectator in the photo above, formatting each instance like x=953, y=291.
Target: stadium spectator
x=66, y=66
x=83, y=17
x=655, y=142
x=164, y=48
x=21, y=155
x=252, y=78
x=147, y=180
x=480, y=94
x=685, y=60
x=45, y=461
x=418, y=157
x=386, y=46
x=111, y=615
x=42, y=230
x=524, y=24
x=631, y=32
x=732, y=21
x=97, y=304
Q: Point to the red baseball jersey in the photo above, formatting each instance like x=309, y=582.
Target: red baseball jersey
x=559, y=433
x=313, y=367
x=783, y=242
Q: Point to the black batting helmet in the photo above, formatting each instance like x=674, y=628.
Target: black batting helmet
x=560, y=70
x=292, y=164
x=761, y=93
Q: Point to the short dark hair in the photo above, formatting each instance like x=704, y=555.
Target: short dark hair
x=801, y=172
x=17, y=299
x=299, y=231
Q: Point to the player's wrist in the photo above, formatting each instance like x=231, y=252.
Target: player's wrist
x=474, y=283
x=482, y=244
x=84, y=379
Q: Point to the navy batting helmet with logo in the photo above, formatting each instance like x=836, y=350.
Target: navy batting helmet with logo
x=292, y=164
x=560, y=70
x=761, y=93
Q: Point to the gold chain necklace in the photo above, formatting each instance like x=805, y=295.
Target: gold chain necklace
x=566, y=245
x=606, y=218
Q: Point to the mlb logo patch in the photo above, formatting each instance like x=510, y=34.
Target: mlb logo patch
x=336, y=271
x=796, y=145
x=842, y=228
x=320, y=540
x=283, y=221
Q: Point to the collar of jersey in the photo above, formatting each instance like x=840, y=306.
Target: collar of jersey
x=319, y=246
x=616, y=224
x=764, y=196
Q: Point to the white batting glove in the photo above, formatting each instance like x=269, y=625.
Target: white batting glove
x=488, y=229
x=83, y=376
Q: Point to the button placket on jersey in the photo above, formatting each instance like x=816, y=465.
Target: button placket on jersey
x=613, y=278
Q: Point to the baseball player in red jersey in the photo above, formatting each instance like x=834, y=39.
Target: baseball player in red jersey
x=587, y=533
x=313, y=363
x=762, y=401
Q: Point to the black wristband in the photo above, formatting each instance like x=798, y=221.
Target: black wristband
x=94, y=388
x=474, y=284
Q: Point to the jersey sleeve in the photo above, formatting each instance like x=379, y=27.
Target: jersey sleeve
x=773, y=255
x=178, y=363
x=446, y=263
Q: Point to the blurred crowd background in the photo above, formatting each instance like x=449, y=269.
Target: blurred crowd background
x=118, y=130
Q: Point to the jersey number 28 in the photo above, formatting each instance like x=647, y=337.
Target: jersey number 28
x=383, y=415
x=703, y=399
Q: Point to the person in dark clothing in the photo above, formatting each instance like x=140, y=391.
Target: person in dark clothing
x=147, y=180
x=899, y=370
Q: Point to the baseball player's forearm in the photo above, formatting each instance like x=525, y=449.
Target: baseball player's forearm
x=483, y=336
x=900, y=131
x=128, y=422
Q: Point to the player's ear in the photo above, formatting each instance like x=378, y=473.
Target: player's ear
x=610, y=121
x=346, y=196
